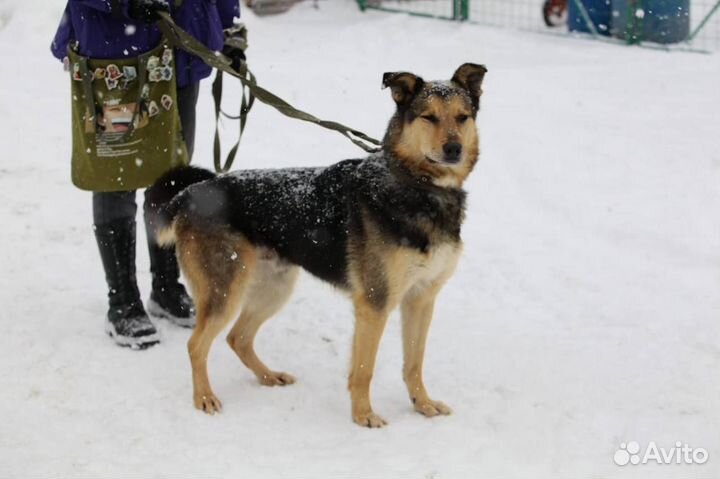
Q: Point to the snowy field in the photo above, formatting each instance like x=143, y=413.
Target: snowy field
x=585, y=312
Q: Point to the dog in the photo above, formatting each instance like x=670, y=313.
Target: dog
x=384, y=229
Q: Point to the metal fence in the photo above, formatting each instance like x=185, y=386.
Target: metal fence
x=705, y=24
x=552, y=15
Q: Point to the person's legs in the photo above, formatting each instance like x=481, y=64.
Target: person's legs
x=114, y=225
x=168, y=298
x=113, y=206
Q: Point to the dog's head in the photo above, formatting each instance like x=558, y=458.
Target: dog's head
x=433, y=132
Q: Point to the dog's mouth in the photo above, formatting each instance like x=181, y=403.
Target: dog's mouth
x=442, y=162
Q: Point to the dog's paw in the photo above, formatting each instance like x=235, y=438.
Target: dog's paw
x=370, y=420
x=430, y=408
x=207, y=403
x=276, y=378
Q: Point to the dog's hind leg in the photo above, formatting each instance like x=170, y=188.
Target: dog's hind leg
x=272, y=284
x=417, y=312
x=207, y=328
x=218, y=268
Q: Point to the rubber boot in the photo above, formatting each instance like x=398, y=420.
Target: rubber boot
x=168, y=299
x=126, y=320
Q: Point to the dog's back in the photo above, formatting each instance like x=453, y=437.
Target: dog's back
x=300, y=213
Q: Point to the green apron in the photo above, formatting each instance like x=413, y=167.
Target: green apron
x=125, y=124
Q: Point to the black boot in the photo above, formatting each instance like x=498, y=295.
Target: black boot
x=126, y=322
x=168, y=299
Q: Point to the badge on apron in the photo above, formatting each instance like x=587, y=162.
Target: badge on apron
x=152, y=63
x=166, y=102
x=155, y=75
x=166, y=73
x=153, y=108
x=110, y=83
x=76, y=72
x=113, y=72
x=130, y=73
x=167, y=57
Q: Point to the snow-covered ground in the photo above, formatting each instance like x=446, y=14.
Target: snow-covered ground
x=585, y=312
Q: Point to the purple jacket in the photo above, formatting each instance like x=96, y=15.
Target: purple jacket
x=100, y=34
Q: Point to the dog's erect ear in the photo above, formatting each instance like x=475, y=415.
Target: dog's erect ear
x=470, y=77
x=403, y=85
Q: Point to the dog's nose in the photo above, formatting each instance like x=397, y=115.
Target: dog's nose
x=452, y=152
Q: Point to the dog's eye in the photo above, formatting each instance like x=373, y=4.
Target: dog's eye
x=431, y=118
x=462, y=118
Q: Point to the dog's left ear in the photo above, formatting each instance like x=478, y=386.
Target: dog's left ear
x=470, y=77
x=403, y=85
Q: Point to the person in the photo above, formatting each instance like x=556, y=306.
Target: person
x=107, y=29
x=555, y=12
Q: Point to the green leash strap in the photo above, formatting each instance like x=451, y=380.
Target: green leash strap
x=245, y=106
x=181, y=39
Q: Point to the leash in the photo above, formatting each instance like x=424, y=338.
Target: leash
x=245, y=106
x=181, y=39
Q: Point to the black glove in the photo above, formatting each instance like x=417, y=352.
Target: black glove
x=146, y=11
x=236, y=55
x=235, y=45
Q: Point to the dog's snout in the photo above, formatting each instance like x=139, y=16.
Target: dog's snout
x=452, y=152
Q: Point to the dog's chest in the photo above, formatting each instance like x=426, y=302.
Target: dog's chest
x=437, y=264
x=412, y=214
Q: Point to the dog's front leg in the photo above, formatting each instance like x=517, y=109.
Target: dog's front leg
x=369, y=325
x=417, y=312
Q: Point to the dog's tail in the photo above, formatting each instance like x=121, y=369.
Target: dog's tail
x=161, y=209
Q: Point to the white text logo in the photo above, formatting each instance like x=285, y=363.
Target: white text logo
x=630, y=453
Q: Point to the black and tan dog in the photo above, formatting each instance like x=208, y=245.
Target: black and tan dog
x=385, y=229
